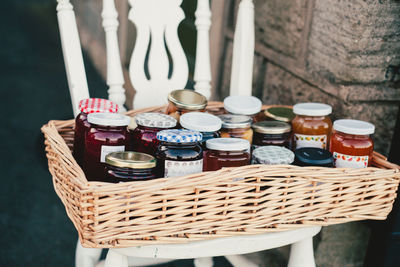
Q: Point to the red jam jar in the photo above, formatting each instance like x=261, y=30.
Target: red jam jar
x=179, y=153
x=226, y=152
x=87, y=106
x=143, y=138
x=272, y=133
x=243, y=105
x=205, y=123
x=108, y=133
x=351, y=144
x=130, y=166
x=312, y=126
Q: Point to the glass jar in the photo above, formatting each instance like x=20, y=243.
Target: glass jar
x=108, y=133
x=87, y=106
x=205, y=123
x=311, y=126
x=243, y=105
x=313, y=156
x=272, y=155
x=236, y=126
x=226, y=152
x=130, y=166
x=351, y=144
x=179, y=153
x=183, y=101
x=279, y=113
x=275, y=133
x=143, y=138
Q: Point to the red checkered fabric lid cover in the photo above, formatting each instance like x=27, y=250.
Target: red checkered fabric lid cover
x=97, y=105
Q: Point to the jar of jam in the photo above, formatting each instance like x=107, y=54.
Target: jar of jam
x=313, y=156
x=183, y=101
x=236, y=126
x=143, y=138
x=243, y=105
x=226, y=152
x=205, y=123
x=279, y=113
x=108, y=133
x=311, y=126
x=351, y=144
x=130, y=166
x=275, y=133
x=272, y=155
x=87, y=106
x=179, y=153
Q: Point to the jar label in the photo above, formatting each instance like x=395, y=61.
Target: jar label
x=302, y=140
x=105, y=150
x=347, y=161
x=181, y=168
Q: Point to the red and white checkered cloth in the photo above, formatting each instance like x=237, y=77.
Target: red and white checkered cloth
x=97, y=105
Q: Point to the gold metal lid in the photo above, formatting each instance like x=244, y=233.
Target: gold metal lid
x=271, y=127
x=129, y=159
x=187, y=99
x=280, y=113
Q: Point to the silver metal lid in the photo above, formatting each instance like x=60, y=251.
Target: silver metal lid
x=231, y=121
x=271, y=127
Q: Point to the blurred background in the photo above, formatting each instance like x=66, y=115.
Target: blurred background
x=344, y=53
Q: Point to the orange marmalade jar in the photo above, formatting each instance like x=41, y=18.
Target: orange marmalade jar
x=311, y=127
x=351, y=144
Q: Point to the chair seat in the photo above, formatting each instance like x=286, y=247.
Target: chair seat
x=221, y=246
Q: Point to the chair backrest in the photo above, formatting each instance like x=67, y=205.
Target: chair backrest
x=157, y=40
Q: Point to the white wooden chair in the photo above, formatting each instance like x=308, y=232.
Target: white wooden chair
x=158, y=20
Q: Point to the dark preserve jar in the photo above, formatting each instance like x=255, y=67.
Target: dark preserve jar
x=274, y=133
x=143, y=138
x=108, y=133
x=226, y=152
x=313, y=156
x=130, y=166
x=205, y=123
x=87, y=106
x=179, y=153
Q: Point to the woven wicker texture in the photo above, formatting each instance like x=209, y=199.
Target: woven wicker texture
x=233, y=201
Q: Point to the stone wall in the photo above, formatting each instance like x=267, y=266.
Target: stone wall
x=344, y=53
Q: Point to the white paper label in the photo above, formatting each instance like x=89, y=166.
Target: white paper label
x=346, y=161
x=181, y=168
x=105, y=150
x=302, y=140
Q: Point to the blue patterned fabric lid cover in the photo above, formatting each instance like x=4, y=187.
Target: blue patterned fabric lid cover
x=179, y=136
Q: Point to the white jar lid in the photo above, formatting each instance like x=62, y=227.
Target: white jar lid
x=312, y=109
x=355, y=127
x=200, y=121
x=228, y=144
x=242, y=105
x=109, y=119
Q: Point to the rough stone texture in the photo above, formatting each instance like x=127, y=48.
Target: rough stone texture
x=280, y=24
x=355, y=41
x=342, y=245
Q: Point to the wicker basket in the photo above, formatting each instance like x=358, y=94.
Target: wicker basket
x=234, y=201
